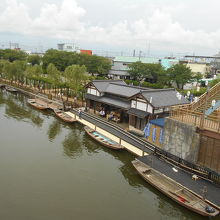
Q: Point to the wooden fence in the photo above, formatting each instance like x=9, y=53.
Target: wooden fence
x=196, y=118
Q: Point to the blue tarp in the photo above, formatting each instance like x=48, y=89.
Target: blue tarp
x=161, y=136
x=147, y=130
x=154, y=134
x=159, y=122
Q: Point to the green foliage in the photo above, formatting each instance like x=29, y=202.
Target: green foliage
x=137, y=70
x=152, y=85
x=63, y=59
x=12, y=55
x=34, y=72
x=193, y=91
x=100, y=78
x=14, y=70
x=97, y=64
x=53, y=74
x=75, y=76
x=140, y=71
x=214, y=82
x=34, y=59
x=179, y=74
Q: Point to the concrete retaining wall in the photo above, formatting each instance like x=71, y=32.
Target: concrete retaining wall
x=131, y=148
x=181, y=140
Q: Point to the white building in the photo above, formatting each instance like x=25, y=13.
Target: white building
x=69, y=47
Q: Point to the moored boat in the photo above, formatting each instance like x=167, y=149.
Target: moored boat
x=105, y=141
x=10, y=89
x=37, y=104
x=64, y=116
x=174, y=190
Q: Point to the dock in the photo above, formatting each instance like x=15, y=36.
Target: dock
x=199, y=186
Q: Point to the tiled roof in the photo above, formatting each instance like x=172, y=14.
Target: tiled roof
x=137, y=112
x=122, y=90
x=101, y=85
x=117, y=102
x=118, y=88
x=163, y=97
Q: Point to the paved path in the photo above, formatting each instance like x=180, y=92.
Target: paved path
x=184, y=178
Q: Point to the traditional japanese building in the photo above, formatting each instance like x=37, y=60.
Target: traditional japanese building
x=130, y=104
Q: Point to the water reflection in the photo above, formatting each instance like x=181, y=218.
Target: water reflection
x=54, y=130
x=16, y=108
x=72, y=144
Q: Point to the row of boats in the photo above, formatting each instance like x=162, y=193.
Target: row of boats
x=163, y=183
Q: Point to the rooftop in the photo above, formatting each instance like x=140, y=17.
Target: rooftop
x=135, y=59
x=157, y=97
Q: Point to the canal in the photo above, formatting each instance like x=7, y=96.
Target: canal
x=50, y=170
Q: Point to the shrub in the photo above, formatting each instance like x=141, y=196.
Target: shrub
x=152, y=85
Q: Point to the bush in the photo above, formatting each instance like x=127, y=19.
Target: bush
x=152, y=85
x=213, y=82
x=194, y=92
x=101, y=78
x=133, y=82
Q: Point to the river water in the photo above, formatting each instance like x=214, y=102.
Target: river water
x=50, y=170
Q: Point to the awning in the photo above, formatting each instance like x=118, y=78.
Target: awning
x=110, y=101
x=158, y=122
x=138, y=113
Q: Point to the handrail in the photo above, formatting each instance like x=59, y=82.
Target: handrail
x=213, y=91
x=212, y=109
x=148, y=145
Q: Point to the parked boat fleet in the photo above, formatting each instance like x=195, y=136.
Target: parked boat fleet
x=164, y=184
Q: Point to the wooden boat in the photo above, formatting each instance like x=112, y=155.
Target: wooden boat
x=64, y=116
x=37, y=105
x=10, y=89
x=174, y=190
x=107, y=142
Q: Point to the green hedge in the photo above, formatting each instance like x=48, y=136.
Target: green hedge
x=152, y=85
x=194, y=91
x=145, y=84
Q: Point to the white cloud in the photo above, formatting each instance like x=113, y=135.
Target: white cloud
x=67, y=21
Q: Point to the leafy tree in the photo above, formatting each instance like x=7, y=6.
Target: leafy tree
x=61, y=59
x=12, y=55
x=179, y=74
x=75, y=76
x=137, y=70
x=54, y=76
x=34, y=59
x=97, y=64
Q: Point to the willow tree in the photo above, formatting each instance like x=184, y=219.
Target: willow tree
x=75, y=77
x=34, y=73
x=54, y=76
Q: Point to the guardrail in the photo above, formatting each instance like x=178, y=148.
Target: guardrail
x=190, y=167
x=118, y=131
x=196, y=118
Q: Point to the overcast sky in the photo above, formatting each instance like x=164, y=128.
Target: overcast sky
x=153, y=26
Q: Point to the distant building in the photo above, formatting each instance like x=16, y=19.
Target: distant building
x=166, y=63
x=202, y=68
x=119, y=68
x=69, y=47
x=88, y=52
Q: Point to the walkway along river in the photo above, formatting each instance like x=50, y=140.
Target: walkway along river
x=51, y=170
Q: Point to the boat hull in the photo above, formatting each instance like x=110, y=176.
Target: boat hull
x=90, y=131
x=10, y=89
x=63, y=116
x=37, y=105
x=170, y=188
